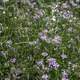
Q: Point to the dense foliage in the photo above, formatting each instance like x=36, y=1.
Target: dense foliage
x=39, y=39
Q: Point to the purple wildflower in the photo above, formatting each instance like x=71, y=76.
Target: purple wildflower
x=53, y=63
x=57, y=39
x=64, y=75
x=42, y=36
x=67, y=15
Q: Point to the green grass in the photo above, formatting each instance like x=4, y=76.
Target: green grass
x=22, y=45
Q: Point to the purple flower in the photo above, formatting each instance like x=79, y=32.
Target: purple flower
x=64, y=75
x=57, y=39
x=64, y=79
x=53, y=63
x=67, y=15
x=42, y=36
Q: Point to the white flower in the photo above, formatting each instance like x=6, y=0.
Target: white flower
x=74, y=66
x=45, y=30
x=63, y=56
x=45, y=77
x=53, y=10
x=5, y=0
x=48, y=40
x=40, y=63
x=65, y=5
x=2, y=53
x=70, y=29
x=4, y=12
x=54, y=18
x=34, y=42
x=73, y=3
x=44, y=54
x=9, y=42
x=7, y=78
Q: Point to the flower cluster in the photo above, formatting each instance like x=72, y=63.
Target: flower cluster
x=39, y=39
x=53, y=63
